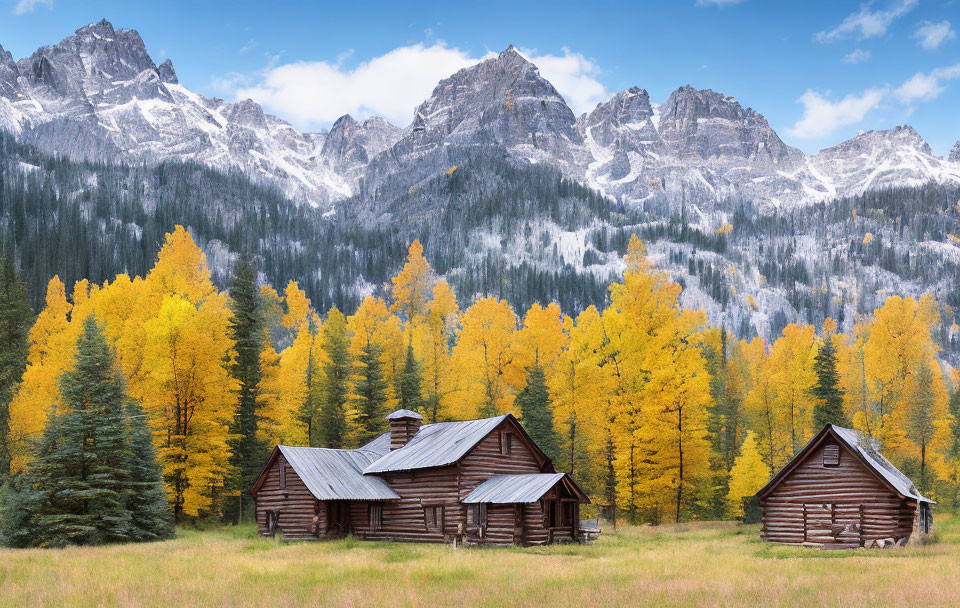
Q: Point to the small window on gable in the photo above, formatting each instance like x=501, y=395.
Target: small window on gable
x=506, y=443
x=831, y=455
x=283, y=476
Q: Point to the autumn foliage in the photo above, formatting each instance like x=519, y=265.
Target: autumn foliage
x=660, y=416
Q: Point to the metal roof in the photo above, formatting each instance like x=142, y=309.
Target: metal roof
x=337, y=474
x=868, y=448
x=399, y=414
x=507, y=489
x=379, y=445
x=436, y=445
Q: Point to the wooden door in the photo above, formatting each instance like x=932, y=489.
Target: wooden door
x=338, y=518
x=818, y=523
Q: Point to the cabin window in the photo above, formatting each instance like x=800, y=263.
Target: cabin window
x=272, y=518
x=283, y=475
x=567, y=514
x=477, y=515
x=506, y=443
x=433, y=516
x=376, y=515
x=831, y=455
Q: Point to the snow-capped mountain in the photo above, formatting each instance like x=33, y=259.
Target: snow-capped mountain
x=511, y=193
x=98, y=94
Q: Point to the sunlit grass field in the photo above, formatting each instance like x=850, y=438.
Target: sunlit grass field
x=702, y=564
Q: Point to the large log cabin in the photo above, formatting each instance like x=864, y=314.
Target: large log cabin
x=477, y=481
x=840, y=492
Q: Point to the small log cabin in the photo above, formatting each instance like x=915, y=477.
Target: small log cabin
x=840, y=492
x=478, y=481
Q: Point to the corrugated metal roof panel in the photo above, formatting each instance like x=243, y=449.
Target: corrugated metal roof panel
x=337, y=474
x=379, y=445
x=868, y=448
x=509, y=489
x=436, y=445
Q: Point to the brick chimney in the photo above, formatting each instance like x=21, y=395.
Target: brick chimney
x=404, y=424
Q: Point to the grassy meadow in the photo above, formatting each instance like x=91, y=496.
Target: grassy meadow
x=700, y=564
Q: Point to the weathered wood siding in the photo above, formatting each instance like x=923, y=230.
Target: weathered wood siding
x=843, y=504
x=405, y=519
x=483, y=462
x=295, y=505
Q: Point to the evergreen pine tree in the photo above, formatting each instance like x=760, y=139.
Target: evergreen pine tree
x=75, y=492
x=371, y=389
x=16, y=317
x=310, y=409
x=246, y=329
x=147, y=501
x=536, y=411
x=410, y=384
x=828, y=408
x=335, y=382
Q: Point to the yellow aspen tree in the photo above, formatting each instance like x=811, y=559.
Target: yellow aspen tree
x=185, y=385
x=792, y=357
x=434, y=349
x=579, y=390
x=191, y=397
x=764, y=410
x=480, y=359
x=50, y=355
x=540, y=341
x=413, y=287
x=899, y=342
x=748, y=475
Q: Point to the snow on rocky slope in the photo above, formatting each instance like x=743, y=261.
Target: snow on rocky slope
x=98, y=94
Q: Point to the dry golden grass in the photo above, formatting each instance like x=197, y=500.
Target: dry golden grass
x=704, y=564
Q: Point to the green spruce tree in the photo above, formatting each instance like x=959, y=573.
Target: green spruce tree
x=16, y=317
x=335, y=381
x=147, y=501
x=410, y=384
x=247, y=330
x=828, y=408
x=310, y=409
x=536, y=412
x=371, y=389
x=76, y=490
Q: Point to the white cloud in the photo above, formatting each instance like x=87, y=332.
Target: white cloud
x=27, y=6
x=857, y=56
x=868, y=23
x=821, y=117
x=931, y=35
x=718, y=2
x=926, y=87
x=313, y=94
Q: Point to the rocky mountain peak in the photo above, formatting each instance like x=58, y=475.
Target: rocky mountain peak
x=167, y=73
x=505, y=98
x=8, y=74
x=955, y=153
x=901, y=138
x=706, y=124
x=351, y=144
x=624, y=122
x=249, y=114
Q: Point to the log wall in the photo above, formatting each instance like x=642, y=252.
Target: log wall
x=844, y=505
x=295, y=505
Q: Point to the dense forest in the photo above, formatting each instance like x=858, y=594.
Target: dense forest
x=658, y=414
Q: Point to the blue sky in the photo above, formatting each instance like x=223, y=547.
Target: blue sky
x=819, y=71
